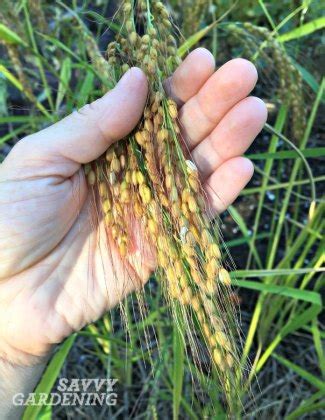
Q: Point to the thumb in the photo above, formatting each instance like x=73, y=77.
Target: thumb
x=86, y=134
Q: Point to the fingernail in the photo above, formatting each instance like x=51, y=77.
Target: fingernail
x=133, y=75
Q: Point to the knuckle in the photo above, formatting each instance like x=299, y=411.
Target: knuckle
x=21, y=147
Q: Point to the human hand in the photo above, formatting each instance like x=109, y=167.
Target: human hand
x=54, y=279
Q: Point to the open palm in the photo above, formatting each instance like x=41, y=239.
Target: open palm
x=54, y=275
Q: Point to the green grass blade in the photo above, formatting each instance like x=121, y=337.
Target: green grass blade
x=12, y=134
x=255, y=190
x=178, y=368
x=18, y=119
x=308, y=77
x=293, y=176
x=318, y=346
x=9, y=36
x=65, y=76
x=313, y=380
x=30, y=31
x=297, y=150
x=243, y=240
x=15, y=82
x=267, y=14
x=274, y=272
x=106, y=22
x=11, y=78
x=291, y=292
x=275, y=31
x=295, y=324
x=86, y=89
x=244, y=229
x=45, y=413
x=308, y=406
x=50, y=376
x=316, y=152
x=279, y=124
x=304, y=30
x=306, y=409
x=194, y=39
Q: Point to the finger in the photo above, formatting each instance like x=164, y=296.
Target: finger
x=225, y=184
x=230, y=84
x=86, y=134
x=232, y=136
x=190, y=76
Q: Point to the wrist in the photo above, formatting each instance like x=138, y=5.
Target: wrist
x=10, y=355
x=17, y=379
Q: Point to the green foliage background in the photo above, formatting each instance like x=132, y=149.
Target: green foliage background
x=274, y=231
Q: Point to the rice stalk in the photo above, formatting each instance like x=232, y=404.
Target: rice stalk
x=15, y=54
x=193, y=13
x=259, y=40
x=37, y=12
x=149, y=179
